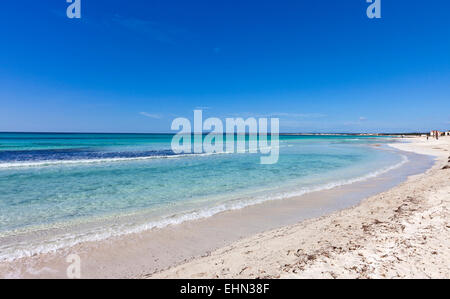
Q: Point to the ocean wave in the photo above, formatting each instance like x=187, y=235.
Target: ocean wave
x=14, y=251
x=42, y=163
x=171, y=155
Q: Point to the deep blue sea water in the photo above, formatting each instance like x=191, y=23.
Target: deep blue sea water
x=54, y=180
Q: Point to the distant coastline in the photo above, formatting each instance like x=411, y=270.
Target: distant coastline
x=282, y=134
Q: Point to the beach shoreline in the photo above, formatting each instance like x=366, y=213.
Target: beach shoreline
x=145, y=253
x=400, y=233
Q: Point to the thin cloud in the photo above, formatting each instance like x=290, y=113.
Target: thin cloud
x=360, y=121
x=151, y=29
x=281, y=115
x=151, y=115
x=299, y=115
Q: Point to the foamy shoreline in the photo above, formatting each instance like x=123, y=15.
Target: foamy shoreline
x=400, y=233
x=69, y=234
x=144, y=253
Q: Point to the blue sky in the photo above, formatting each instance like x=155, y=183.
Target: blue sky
x=133, y=66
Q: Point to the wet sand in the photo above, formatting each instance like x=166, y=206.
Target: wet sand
x=400, y=233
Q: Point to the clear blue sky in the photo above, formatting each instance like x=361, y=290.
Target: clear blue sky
x=133, y=66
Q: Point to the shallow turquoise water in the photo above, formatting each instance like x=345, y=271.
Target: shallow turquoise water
x=40, y=194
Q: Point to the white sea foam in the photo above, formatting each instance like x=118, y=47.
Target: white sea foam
x=96, y=161
x=15, y=251
x=44, y=163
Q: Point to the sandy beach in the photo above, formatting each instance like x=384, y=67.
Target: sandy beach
x=400, y=233
x=391, y=225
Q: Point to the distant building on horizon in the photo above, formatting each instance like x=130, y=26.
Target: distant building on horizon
x=435, y=133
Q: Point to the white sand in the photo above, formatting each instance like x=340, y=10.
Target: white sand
x=401, y=233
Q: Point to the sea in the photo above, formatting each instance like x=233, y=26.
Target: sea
x=57, y=190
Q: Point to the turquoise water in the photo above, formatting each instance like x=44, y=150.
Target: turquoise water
x=50, y=181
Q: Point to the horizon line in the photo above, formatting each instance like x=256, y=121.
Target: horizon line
x=174, y=133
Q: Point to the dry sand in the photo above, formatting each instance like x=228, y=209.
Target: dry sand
x=401, y=233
